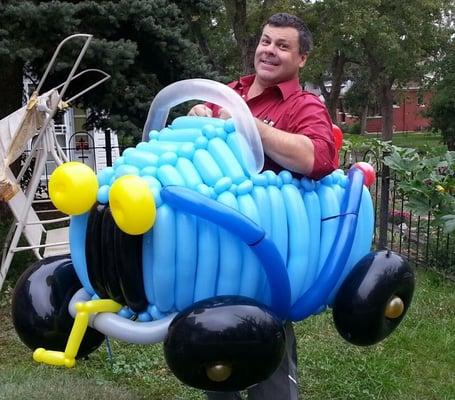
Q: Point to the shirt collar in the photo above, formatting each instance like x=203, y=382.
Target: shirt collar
x=286, y=88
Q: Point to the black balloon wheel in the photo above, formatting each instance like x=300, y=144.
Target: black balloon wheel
x=40, y=306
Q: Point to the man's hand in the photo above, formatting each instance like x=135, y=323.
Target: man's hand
x=224, y=114
x=200, y=110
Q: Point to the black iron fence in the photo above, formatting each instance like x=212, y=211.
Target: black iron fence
x=396, y=228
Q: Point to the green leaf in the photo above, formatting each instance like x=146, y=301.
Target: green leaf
x=449, y=223
x=419, y=205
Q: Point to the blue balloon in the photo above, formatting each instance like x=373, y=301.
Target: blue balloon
x=299, y=238
x=185, y=259
x=163, y=256
x=316, y=296
x=246, y=230
x=77, y=234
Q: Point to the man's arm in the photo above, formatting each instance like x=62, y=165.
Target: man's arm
x=291, y=151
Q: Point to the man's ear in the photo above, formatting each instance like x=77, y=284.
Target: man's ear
x=303, y=58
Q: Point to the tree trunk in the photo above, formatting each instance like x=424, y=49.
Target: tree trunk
x=338, y=62
x=325, y=93
x=386, y=96
x=384, y=207
x=450, y=141
x=248, y=55
x=11, y=88
x=363, y=119
x=236, y=11
x=204, y=45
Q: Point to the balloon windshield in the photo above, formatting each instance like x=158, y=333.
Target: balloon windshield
x=217, y=93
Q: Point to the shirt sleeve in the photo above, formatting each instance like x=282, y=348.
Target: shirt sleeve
x=309, y=117
x=215, y=109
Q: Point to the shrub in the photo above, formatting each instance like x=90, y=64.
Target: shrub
x=398, y=217
x=355, y=129
x=428, y=182
x=345, y=128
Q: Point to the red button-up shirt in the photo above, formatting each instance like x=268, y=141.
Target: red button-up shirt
x=287, y=107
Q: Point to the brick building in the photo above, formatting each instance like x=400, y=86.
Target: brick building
x=408, y=112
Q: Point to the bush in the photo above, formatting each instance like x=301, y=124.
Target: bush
x=428, y=183
x=355, y=129
x=345, y=128
x=398, y=217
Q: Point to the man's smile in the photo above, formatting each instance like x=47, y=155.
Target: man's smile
x=269, y=62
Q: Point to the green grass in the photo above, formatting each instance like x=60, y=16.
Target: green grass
x=416, y=362
x=417, y=140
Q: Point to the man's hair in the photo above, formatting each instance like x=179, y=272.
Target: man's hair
x=285, y=20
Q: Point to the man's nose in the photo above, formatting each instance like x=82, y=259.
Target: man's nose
x=270, y=49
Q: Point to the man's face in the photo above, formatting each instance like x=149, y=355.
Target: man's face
x=277, y=58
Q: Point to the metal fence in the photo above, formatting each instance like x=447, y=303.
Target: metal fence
x=96, y=151
x=399, y=229
x=416, y=237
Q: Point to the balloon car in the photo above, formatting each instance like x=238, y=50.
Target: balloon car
x=185, y=241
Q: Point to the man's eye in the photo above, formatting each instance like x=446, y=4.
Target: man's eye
x=283, y=46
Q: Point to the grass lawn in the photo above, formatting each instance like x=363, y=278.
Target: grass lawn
x=417, y=140
x=416, y=362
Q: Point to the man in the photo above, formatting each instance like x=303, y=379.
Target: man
x=296, y=134
x=295, y=128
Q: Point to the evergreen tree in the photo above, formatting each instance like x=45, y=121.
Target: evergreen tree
x=143, y=45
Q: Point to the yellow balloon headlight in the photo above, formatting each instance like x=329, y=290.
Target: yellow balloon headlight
x=132, y=205
x=73, y=187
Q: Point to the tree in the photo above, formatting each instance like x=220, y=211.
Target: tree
x=211, y=30
x=144, y=45
x=442, y=106
x=396, y=42
x=334, y=48
x=360, y=95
